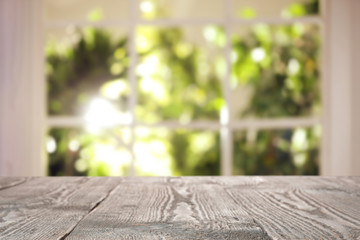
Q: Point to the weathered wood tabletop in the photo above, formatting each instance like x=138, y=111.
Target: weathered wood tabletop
x=180, y=208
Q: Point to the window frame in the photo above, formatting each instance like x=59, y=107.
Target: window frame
x=225, y=125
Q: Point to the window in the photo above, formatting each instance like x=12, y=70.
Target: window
x=162, y=88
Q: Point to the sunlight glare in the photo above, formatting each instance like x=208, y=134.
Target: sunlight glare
x=149, y=66
x=142, y=43
x=224, y=115
x=102, y=113
x=299, y=141
x=114, y=89
x=146, y=6
x=210, y=33
x=114, y=158
x=51, y=144
x=93, y=129
x=258, y=54
x=202, y=142
x=155, y=88
x=74, y=145
x=299, y=159
x=153, y=159
x=293, y=67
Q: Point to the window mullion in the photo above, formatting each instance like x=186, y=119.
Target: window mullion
x=226, y=133
x=189, y=21
x=132, y=79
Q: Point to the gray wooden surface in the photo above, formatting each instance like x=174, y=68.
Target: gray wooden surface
x=180, y=208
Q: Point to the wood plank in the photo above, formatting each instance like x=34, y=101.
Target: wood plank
x=168, y=208
x=6, y=182
x=301, y=207
x=49, y=208
x=181, y=208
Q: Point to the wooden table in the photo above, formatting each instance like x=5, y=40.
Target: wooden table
x=180, y=208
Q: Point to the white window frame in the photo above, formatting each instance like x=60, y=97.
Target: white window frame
x=226, y=126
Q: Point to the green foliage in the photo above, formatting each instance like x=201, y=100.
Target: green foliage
x=285, y=83
x=274, y=152
x=181, y=80
x=196, y=153
x=177, y=88
x=76, y=73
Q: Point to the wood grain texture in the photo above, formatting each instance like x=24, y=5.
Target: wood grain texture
x=301, y=207
x=49, y=208
x=227, y=208
x=182, y=208
x=6, y=182
x=168, y=208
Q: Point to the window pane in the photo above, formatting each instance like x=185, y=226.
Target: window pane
x=247, y=9
x=83, y=65
x=86, y=10
x=91, y=151
x=277, y=152
x=275, y=71
x=176, y=152
x=181, y=9
x=179, y=73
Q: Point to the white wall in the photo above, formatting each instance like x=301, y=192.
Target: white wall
x=355, y=165
x=21, y=88
x=341, y=88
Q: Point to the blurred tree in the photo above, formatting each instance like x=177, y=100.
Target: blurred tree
x=172, y=84
x=285, y=83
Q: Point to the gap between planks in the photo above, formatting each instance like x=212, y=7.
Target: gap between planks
x=89, y=212
x=181, y=192
x=262, y=228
